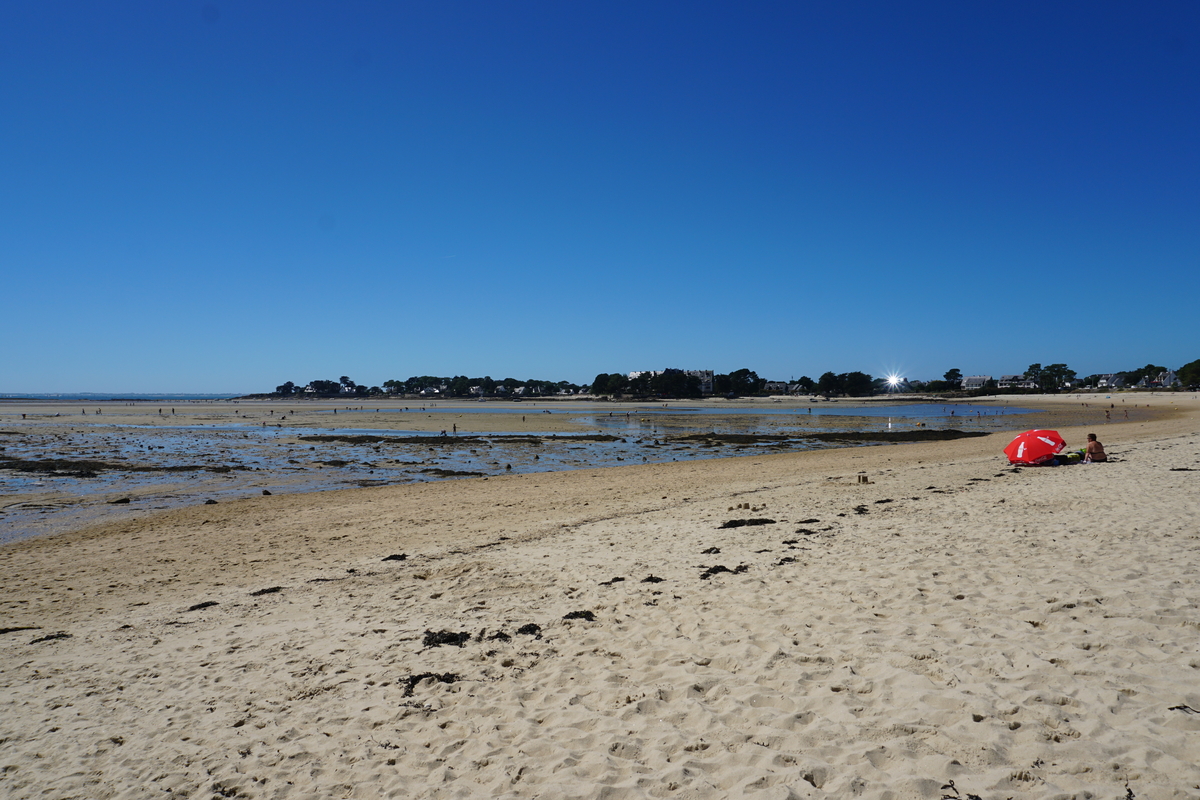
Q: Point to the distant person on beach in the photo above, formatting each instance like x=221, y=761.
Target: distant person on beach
x=1094, y=451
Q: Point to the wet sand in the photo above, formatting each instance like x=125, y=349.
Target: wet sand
x=63, y=465
x=608, y=633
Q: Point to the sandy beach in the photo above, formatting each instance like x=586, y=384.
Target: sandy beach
x=768, y=626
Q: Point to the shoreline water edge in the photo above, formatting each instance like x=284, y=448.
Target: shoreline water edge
x=63, y=465
x=909, y=621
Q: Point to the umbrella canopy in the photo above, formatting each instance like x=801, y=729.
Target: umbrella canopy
x=1034, y=447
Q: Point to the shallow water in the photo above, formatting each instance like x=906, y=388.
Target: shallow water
x=159, y=467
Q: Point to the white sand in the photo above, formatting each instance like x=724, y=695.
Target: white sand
x=1032, y=634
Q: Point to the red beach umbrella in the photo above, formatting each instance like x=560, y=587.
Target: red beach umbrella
x=1034, y=447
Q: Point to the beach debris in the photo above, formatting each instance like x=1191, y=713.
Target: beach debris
x=268, y=590
x=438, y=472
x=210, y=502
x=1183, y=469
x=121, y=502
x=439, y=638
x=20, y=628
x=808, y=521
x=266, y=492
x=611, y=581
x=1183, y=708
x=652, y=579
x=885, y=500
x=530, y=629
x=710, y=551
x=499, y=635
x=956, y=795
x=204, y=605
x=584, y=615
x=396, y=557
x=719, y=568
x=785, y=560
x=863, y=479
x=741, y=523
x=860, y=509
x=410, y=682
x=52, y=637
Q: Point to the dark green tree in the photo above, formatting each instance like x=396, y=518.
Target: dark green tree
x=829, y=384
x=745, y=381
x=639, y=385
x=674, y=383
x=954, y=377
x=1034, y=373
x=856, y=384
x=1055, y=376
x=325, y=387
x=286, y=389
x=1189, y=374
x=806, y=383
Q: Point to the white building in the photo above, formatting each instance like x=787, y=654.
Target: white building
x=1015, y=382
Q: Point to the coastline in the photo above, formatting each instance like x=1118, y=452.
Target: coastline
x=1022, y=633
x=69, y=466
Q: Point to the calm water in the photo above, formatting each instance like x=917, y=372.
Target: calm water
x=165, y=467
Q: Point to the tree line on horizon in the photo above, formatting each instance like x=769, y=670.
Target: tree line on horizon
x=739, y=383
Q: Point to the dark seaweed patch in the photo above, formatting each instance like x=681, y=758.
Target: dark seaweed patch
x=741, y=523
x=530, y=629
x=611, y=582
x=719, y=568
x=439, y=638
x=52, y=637
x=450, y=473
x=206, y=604
x=269, y=590
x=585, y=615
x=396, y=557
x=410, y=682
x=20, y=628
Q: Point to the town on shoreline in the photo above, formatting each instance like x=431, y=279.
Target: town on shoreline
x=692, y=384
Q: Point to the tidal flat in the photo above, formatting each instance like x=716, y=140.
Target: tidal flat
x=63, y=465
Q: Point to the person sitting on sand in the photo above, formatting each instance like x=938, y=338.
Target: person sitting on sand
x=1094, y=451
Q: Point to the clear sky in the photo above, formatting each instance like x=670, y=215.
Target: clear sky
x=220, y=197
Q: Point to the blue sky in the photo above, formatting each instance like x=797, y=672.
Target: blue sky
x=220, y=197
